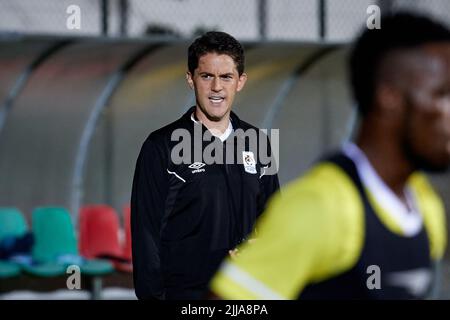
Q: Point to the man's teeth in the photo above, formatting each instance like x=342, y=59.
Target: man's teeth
x=216, y=99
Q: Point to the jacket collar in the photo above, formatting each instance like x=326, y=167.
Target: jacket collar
x=235, y=121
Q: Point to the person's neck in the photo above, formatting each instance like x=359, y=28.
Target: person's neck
x=216, y=127
x=386, y=156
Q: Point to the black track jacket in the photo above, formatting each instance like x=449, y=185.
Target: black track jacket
x=185, y=217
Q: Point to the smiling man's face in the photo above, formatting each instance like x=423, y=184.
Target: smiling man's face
x=215, y=82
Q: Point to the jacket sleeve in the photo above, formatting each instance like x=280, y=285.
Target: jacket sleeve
x=269, y=181
x=148, y=197
x=270, y=185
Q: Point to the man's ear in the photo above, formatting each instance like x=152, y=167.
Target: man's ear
x=189, y=80
x=389, y=99
x=242, y=81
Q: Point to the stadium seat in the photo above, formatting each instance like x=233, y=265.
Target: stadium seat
x=54, y=237
x=99, y=231
x=12, y=225
x=54, y=234
x=56, y=246
x=8, y=269
x=99, y=235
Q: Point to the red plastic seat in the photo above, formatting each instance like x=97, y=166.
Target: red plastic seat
x=99, y=229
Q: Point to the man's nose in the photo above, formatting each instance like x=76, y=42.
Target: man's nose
x=216, y=85
x=445, y=106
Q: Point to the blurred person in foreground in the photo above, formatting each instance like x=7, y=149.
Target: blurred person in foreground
x=187, y=216
x=364, y=223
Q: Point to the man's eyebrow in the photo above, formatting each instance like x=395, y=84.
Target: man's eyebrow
x=227, y=74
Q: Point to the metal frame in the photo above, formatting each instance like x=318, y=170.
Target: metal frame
x=22, y=79
x=289, y=84
x=86, y=137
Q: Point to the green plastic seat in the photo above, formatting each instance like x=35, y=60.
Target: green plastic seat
x=96, y=267
x=46, y=269
x=8, y=269
x=12, y=223
x=56, y=246
x=54, y=236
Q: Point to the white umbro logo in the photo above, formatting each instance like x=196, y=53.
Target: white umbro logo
x=196, y=166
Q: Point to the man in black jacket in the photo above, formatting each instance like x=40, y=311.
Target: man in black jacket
x=195, y=200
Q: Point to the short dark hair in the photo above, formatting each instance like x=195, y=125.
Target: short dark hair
x=216, y=42
x=398, y=31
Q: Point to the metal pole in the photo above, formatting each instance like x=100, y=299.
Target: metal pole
x=322, y=19
x=104, y=11
x=91, y=124
x=108, y=160
x=289, y=84
x=96, y=288
x=23, y=78
x=262, y=15
x=123, y=12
